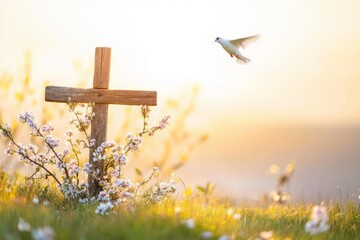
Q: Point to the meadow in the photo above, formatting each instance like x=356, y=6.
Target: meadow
x=190, y=216
x=50, y=199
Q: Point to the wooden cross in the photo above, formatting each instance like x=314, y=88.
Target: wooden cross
x=101, y=96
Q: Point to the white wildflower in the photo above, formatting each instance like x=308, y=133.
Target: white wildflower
x=103, y=208
x=224, y=237
x=23, y=226
x=121, y=159
x=189, y=223
x=45, y=233
x=236, y=216
x=69, y=133
x=7, y=127
x=177, y=210
x=134, y=142
x=28, y=118
x=73, y=168
x=83, y=200
x=6, y=130
x=103, y=196
x=47, y=128
x=52, y=141
x=318, y=222
x=36, y=200
x=33, y=148
x=230, y=212
x=164, y=122
x=87, y=168
x=122, y=183
x=206, y=235
x=265, y=235
x=92, y=142
x=8, y=151
x=127, y=195
x=167, y=187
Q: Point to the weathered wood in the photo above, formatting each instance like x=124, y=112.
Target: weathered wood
x=99, y=123
x=102, y=67
x=123, y=97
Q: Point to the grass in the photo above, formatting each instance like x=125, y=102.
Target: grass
x=155, y=221
x=162, y=221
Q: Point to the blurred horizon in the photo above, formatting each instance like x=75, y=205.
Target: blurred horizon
x=297, y=99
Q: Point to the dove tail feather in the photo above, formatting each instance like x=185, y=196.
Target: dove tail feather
x=243, y=60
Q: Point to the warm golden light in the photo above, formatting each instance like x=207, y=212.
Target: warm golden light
x=304, y=70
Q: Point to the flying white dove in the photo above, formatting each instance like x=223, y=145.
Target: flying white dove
x=232, y=46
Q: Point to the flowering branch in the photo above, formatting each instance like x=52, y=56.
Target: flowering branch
x=7, y=133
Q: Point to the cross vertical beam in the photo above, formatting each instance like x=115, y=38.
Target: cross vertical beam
x=98, y=124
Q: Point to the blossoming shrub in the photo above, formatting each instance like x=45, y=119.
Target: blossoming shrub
x=67, y=170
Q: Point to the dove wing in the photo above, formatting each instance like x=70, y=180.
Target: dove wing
x=244, y=42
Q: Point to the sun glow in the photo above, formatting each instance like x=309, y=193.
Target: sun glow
x=164, y=45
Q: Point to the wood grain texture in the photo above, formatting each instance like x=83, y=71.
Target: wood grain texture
x=99, y=122
x=102, y=67
x=122, y=97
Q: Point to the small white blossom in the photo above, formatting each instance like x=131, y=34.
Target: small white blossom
x=230, y=212
x=177, y=210
x=266, y=235
x=47, y=128
x=103, y=196
x=164, y=122
x=134, y=142
x=121, y=159
x=7, y=127
x=224, y=237
x=73, y=168
x=128, y=195
x=206, y=235
x=8, y=151
x=45, y=233
x=6, y=130
x=87, y=168
x=161, y=191
x=236, y=216
x=318, y=222
x=189, y=223
x=69, y=133
x=36, y=200
x=92, y=142
x=103, y=208
x=29, y=119
x=23, y=226
x=83, y=200
x=33, y=148
x=115, y=173
x=122, y=183
x=52, y=141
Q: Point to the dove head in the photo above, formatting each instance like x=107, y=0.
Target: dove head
x=219, y=40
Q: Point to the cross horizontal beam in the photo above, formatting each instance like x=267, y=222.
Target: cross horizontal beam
x=104, y=96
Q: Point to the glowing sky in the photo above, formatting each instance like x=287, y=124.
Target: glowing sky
x=305, y=68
